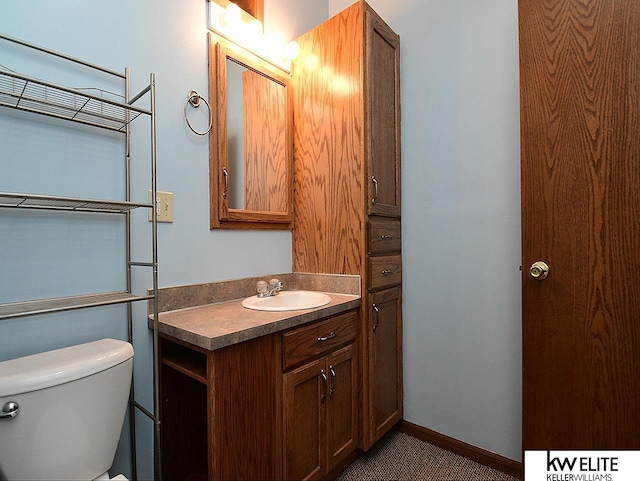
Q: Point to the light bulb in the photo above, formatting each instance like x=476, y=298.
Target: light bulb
x=232, y=14
x=255, y=27
x=253, y=33
x=292, y=50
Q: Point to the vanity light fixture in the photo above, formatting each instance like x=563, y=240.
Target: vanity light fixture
x=232, y=23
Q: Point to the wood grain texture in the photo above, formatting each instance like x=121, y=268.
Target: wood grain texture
x=382, y=116
x=384, y=271
x=386, y=357
x=302, y=343
x=580, y=145
x=247, y=425
x=342, y=410
x=329, y=147
x=266, y=176
x=384, y=236
x=304, y=422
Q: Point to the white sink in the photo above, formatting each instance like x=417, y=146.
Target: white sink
x=287, y=301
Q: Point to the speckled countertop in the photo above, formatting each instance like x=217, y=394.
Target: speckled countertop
x=189, y=315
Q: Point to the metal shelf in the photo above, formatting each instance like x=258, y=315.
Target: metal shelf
x=49, y=202
x=43, y=306
x=98, y=108
x=34, y=95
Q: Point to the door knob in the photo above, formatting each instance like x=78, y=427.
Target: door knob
x=539, y=271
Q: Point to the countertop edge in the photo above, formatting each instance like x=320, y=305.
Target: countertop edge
x=287, y=319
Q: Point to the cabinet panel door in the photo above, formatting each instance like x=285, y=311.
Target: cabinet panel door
x=382, y=114
x=304, y=427
x=386, y=372
x=342, y=405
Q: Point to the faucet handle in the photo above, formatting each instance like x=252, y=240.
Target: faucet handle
x=262, y=288
x=275, y=283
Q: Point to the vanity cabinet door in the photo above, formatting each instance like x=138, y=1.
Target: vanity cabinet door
x=382, y=116
x=342, y=422
x=385, y=359
x=305, y=393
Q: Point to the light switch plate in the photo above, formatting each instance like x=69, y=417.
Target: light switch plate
x=164, y=206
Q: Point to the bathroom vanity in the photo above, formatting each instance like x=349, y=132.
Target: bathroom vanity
x=254, y=394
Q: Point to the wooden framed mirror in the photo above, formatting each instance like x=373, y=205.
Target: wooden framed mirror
x=251, y=143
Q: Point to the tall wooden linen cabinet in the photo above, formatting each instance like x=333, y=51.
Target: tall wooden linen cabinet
x=347, y=189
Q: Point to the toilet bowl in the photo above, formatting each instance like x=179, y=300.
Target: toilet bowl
x=61, y=411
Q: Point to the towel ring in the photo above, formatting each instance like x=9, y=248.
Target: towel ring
x=194, y=99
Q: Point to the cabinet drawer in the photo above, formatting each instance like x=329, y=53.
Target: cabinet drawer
x=384, y=236
x=309, y=341
x=384, y=271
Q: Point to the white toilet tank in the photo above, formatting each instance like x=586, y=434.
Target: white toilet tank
x=72, y=403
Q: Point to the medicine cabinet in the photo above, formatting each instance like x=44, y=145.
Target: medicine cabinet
x=251, y=143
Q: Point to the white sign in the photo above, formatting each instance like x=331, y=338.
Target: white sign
x=581, y=465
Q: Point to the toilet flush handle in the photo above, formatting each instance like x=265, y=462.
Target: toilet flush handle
x=9, y=410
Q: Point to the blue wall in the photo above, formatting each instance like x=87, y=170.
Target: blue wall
x=460, y=216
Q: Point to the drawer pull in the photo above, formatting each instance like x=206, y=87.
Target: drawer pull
x=375, y=190
x=376, y=317
x=387, y=236
x=324, y=386
x=332, y=386
x=386, y=272
x=326, y=338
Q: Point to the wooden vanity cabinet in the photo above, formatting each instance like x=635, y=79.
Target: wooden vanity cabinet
x=320, y=401
x=281, y=406
x=222, y=410
x=347, y=188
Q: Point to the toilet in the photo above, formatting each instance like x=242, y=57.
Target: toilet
x=61, y=412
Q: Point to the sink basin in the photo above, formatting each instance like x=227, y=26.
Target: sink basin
x=287, y=301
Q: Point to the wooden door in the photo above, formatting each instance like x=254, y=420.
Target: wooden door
x=382, y=116
x=304, y=426
x=580, y=134
x=386, y=362
x=342, y=411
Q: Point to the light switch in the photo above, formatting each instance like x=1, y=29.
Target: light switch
x=164, y=206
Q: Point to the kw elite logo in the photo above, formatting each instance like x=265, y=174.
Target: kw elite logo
x=582, y=465
x=581, y=468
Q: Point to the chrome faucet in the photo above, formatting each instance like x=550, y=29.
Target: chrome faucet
x=268, y=290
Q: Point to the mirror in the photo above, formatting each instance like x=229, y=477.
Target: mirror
x=251, y=167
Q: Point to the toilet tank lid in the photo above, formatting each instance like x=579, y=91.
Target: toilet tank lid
x=51, y=368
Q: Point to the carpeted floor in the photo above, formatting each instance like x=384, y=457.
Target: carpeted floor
x=399, y=456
